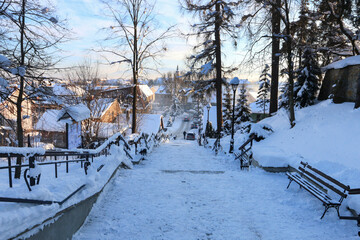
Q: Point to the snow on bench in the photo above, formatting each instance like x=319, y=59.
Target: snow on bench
x=319, y=184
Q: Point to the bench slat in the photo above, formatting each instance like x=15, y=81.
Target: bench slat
x=322, y=182
x=313, y=190
x=329, y=178
x=306, y=187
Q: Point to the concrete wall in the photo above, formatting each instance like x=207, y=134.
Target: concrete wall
x=64, y=223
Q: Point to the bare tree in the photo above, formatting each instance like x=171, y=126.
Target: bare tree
x=32, y=35
x=282, y=12
x=135, y=39
x=86, y=77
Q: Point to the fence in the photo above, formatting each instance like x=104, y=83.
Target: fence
x=31, y=157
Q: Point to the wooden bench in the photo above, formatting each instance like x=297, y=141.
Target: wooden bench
x=355, y=215
x=319, y=184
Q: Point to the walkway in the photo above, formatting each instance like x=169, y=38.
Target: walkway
x=184, y=192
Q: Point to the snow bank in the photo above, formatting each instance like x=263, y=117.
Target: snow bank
x=150, y=123
x=25, y=151
x=326, y=135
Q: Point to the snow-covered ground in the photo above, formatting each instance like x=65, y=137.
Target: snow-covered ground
x=183, y=191
x=326, y=136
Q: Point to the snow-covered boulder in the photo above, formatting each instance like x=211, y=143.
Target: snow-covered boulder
x=341, y=81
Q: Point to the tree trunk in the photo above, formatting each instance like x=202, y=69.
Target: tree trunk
x=218, y=71
x=288, y=40
x=135, y=77
x=275, y=21
x=19, y=128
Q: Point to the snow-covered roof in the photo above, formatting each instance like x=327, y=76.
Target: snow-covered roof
x=101, y=106
x=146, y=90
x=161, y=90
x=77, y=113
x=49, y=122
x=350, y=61
x=115, y=82
x=154, y=89
x=159, y=81
x=60, y=90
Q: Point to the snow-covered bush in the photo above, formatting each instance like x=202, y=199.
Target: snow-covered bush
x=261, y=131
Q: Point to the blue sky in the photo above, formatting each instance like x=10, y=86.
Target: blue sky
x=86, y=18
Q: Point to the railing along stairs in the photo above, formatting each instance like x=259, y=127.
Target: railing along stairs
x=245, y=154
x=37, y=156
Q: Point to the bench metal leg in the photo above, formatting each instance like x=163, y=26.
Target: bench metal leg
x=326, y=209
x=289, y=183
x=338, y=210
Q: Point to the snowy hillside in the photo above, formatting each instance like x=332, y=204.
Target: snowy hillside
x=326, y=135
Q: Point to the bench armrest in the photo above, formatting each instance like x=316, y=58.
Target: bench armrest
x=354, y=191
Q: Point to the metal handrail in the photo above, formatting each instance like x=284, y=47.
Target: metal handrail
x=83, y=156
x=244, y=151
x=217, y=146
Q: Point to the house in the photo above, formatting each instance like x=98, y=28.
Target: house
x=105, y=110
x=8, y=111
x=50, y=130
x=73, y=116
x=162, y=96
x=124, y=96
x=57, y=95
x=61, y=127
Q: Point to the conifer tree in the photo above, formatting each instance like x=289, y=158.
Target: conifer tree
x=227, y=111
x=284, y=96
x=216, y=21
x=242, y=109
x=263, y=99
x=308, y=82
x=332, y=44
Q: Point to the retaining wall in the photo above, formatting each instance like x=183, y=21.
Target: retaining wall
x=65, y=222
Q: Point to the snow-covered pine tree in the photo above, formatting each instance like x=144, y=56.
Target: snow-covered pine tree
x=216, y=19
x=308, y=82
x=175, y=108
x=227, y=111
x=338, y=22
x=263, y=98
x=284, y=96
x=242, y=109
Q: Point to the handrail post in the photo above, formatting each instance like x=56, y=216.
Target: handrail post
x=10, y=175
x=67, y=164
x=56, y=175
x=32, y=165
